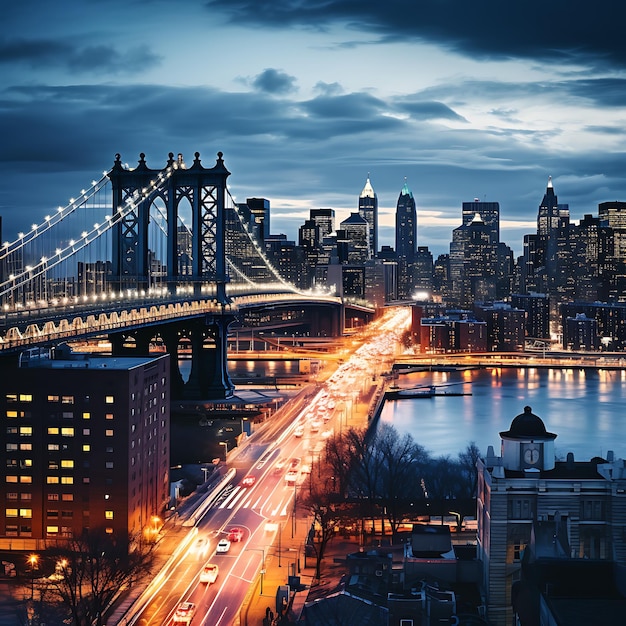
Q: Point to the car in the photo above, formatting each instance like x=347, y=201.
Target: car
x=299, y=431
x=209, y=573
x=248, y=481
x=184, y=613
x=201, y=546
x=235, y=534
x=280, y=463
x=290, y=477
x=223, y=546
x=295, y=462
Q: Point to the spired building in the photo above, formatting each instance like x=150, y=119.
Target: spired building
x=406, y=241
x=85, y=446
x=526, y=487
x=368, y=210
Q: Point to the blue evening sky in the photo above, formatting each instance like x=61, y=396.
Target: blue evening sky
x=465, y=100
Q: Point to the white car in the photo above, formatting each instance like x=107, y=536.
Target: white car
x=209, y=573
x=223, y=546
x=299, y=431
x=201, y=547
x=184, y=613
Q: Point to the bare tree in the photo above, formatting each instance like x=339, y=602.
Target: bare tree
x=467, y=461
x=92, y=570
x=325, y=506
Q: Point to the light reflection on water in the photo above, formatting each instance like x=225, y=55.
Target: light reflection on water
x=586, y=409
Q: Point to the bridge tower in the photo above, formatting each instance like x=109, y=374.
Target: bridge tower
x=205, y=191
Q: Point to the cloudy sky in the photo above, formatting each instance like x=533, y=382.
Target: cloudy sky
x=465, y=100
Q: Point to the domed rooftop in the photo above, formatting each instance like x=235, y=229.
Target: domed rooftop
x=527, y=425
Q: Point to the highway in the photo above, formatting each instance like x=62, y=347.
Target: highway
x=270, y=470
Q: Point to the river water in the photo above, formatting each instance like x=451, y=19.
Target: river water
x=585, y=408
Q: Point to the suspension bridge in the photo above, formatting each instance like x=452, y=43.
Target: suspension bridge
x=142, y=253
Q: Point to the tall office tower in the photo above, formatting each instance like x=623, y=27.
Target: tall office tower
x=613, y=215
x=288, y=259
x=424, y=269
x=368, y=210
x=240, y=248
x=473, y=264
x=259, y=221
x=356, y=230
x=86, y=446
x=489, y=213
x=406, y=241
x=548, y=257
x=325, y=219
x=593, y=264
x=526, y=489
x=309, y=242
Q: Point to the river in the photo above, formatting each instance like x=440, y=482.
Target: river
x=585, y=408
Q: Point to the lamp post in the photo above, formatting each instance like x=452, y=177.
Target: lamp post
x=33, y=559
x=225, y=444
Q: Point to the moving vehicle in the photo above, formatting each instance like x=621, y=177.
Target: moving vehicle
x=209, y=573
x=235, y=534
x=290, y=477
x=201, y=546
x=184, y=613
x=248, y=481
x=223, y=546
x=299, y=431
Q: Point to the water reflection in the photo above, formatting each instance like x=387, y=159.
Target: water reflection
x=584, y=408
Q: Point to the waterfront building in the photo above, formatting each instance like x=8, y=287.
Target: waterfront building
x=368, y=210
x=406, y=241
x=525, y=486
x=610, y=322
x=505, y=326
x=85, y=446
x=537, y=307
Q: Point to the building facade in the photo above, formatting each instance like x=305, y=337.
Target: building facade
x=85, y=446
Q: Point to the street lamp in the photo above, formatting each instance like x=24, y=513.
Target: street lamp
x=33, y=559
x=155, y=520
x=225, y=444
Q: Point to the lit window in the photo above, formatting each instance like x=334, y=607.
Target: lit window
x=11, y=397
x=12, y=430
x=10, y=479
x=109, y=530
x=67, y=463
x=11, y=447
x=12, y=495
x=11, y=413
x=10, y=512
x=86, y=432
x=108, y=514
x=68, y=497
x=53, y=398
x=26, y=479
x=86, y=447
x=67, y=480
x=109, y=432
x=53, y=496
x=109, y=399
x=26, y=496
x=52, y=447
x=26, y=397
x=86, y=415
x=26, y=446
x=67, y=399
x=108, y=416
x=26, y=431
x=67, y=432
x=52, y=530
x=28, y=513
x=52, y=480
x=53, y=430
x=26, y=463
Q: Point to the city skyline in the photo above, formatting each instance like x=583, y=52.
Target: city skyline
x=307, y=102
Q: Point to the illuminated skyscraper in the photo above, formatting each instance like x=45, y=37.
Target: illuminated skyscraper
x=368, y=210
x=406, y=241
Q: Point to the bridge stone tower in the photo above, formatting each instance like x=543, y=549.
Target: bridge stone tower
x=205, y=191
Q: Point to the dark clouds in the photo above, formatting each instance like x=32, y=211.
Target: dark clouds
x=61, y=53
x=275, y=82
x=565, y=31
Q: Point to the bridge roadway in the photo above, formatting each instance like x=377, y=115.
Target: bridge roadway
x=266, y=509
x=82, y=318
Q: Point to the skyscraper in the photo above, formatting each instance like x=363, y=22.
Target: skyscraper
x=368, y=210
x=406, y=241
